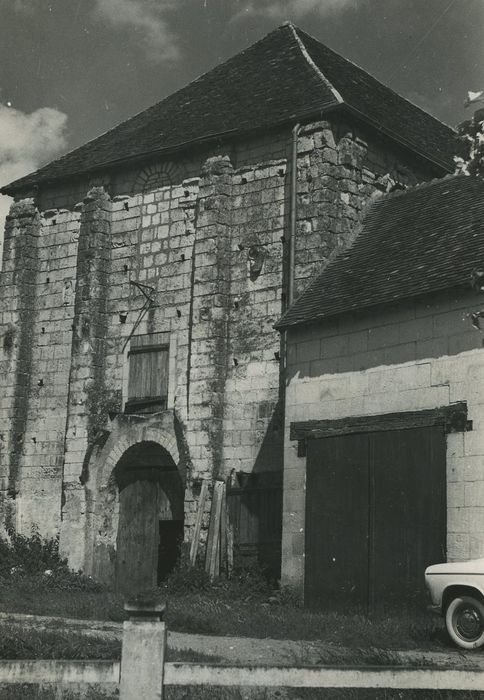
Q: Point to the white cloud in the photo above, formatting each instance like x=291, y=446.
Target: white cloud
x=148, y=18
x=292, y=9
x=27, y=141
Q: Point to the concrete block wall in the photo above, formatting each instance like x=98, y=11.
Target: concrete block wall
x=410, y=356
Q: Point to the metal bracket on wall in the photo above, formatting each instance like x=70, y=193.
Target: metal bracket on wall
x=301, y=448
x=145, y=289
x=149, y=294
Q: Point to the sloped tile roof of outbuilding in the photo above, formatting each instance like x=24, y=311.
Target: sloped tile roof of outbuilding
x=286, y=76
x=424, y=240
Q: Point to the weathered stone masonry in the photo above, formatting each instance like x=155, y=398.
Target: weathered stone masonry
x=88, y=399
x=209, y=235
x=22, y=238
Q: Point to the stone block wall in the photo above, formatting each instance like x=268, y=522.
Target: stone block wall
x=37, y=292
x=341, y=167
x=253, y=411
x=207, y=234
x=410, y=356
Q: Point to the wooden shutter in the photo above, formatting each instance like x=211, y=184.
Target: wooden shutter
x=148, y=373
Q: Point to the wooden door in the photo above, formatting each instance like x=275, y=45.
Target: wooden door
x=336, y=566
x=375, y=516
x=138, y=537
x=256, y=518
x=408, y=511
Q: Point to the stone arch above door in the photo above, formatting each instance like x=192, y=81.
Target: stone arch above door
x=150, y=517
x=128, y=432
x=149, y=461
x=102, y=490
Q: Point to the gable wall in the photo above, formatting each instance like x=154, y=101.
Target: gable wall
x=209, y=233
x=412, y=356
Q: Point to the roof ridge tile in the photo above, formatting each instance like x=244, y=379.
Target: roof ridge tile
x=360, y=68
x=310, y=61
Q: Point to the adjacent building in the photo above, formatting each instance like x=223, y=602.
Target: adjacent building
x=384, y=450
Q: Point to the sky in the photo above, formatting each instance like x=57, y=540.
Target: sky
x=72, y=69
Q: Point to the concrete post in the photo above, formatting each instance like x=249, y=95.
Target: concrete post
x=143, y=653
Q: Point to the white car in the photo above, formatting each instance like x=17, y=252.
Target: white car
x=457, y=592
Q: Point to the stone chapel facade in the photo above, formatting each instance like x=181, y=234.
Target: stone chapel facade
x=142, y=277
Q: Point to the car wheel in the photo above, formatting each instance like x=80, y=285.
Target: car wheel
x=464, y=620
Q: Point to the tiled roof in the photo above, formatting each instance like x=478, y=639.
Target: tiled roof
x=284, y=77
x=424, y=240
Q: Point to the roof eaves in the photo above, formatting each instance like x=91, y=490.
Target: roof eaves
x=396, y=137
x=283, y=325
x=18, y=185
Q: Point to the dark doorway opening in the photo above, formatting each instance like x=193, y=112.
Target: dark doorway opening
x=255, y=508
x=171, y=538
x=375, y=517
x=151, y=520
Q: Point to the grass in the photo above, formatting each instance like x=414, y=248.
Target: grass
x=36, y=596
x=245, y=606
x=231, y=610
x=68, y=644
x=46, y=644
x=252, y=617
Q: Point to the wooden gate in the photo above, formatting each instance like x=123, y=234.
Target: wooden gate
x=375, y=516
x=255, y=514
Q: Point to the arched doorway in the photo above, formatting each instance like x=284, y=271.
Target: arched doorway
x=150, y=524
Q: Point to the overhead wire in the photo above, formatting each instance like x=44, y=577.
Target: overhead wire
x=423, y=37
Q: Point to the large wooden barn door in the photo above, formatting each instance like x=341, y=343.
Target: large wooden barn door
x=138, y=537
x=375, y=516
x=408, y=511
x=337, y=521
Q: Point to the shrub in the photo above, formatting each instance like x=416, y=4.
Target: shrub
x=28, y=554
x=39, y=560
x=186, y=578
x=251, y=579
x=287, y=595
